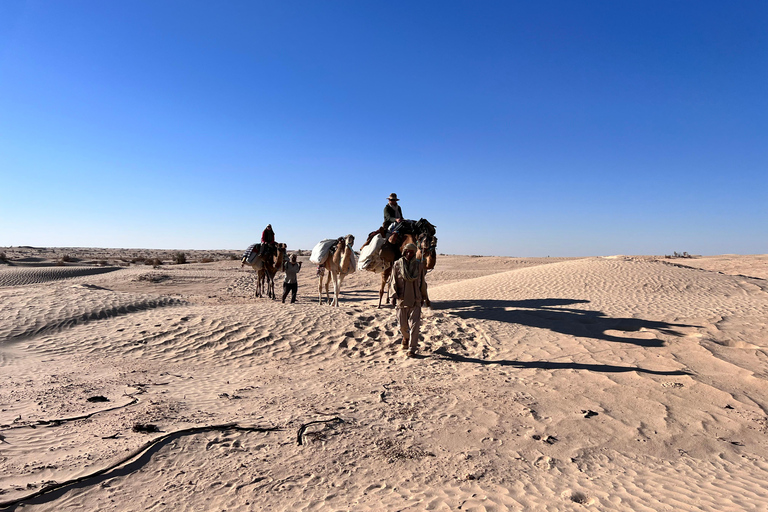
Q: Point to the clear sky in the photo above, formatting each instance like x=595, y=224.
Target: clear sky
x=561, y=128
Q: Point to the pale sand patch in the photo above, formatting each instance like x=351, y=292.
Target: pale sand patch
x=605, y=384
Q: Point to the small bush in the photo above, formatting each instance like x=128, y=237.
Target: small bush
x=138, y=260
x=66, y=258
x=180, y=258
x=233, y=257
x=207, y=260
x=155, y=262
x=3, y=258
x=103, y=263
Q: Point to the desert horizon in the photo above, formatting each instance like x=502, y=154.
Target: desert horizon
x=598, y=383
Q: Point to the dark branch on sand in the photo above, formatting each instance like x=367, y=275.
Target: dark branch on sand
x=300, y=435
x=60, y=421
x=63, y=486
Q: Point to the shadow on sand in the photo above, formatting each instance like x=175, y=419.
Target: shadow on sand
x=549, y=314
x=548, y=365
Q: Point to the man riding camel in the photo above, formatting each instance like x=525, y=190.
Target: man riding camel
x=393, y=214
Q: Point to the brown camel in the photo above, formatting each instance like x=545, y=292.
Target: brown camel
x=338, y=265
x=266, y=270
x=426, y=242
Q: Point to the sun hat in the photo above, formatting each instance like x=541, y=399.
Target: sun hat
x=393, y=197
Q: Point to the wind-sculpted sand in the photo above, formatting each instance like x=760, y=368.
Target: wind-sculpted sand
x=622, y=383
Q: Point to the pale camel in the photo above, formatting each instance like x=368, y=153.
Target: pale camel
x=266, y=270
x=338, y=265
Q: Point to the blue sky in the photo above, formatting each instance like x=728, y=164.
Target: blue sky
x=519, y=128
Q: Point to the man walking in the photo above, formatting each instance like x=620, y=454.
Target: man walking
x=408, y=281
x=291, y=283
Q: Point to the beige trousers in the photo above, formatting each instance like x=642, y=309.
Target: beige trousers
x=409, y=320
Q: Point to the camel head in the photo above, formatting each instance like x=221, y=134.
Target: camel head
x=349, y=240
x=428, y=248
x=280, y=257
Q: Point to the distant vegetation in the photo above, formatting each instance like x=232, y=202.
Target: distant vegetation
x=678, y=255
x=179, y=258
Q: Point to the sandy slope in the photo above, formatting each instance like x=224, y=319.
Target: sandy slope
x=585, y=384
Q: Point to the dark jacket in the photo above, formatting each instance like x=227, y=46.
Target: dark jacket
x=391, y=214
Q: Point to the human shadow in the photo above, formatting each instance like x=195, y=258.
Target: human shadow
x=551, y=315
x=549, y=365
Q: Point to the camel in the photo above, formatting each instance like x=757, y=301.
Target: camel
x=338, y=265
x=426, y=243
x=266, y=270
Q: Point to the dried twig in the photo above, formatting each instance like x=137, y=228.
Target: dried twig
x=136, y=453
x=299, y=436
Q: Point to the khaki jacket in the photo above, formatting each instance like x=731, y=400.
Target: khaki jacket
x=409, y=293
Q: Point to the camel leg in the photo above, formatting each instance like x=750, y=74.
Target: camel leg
x=341, y=280
x=426, y=296
x=336, y=288
x=384, y=280
x=327, y=286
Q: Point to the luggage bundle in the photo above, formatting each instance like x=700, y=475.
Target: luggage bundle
x=250, y=253
x=370, y=256
x=321, y=251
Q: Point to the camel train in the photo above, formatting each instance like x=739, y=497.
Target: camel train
x=265, y=266
x=336, y=258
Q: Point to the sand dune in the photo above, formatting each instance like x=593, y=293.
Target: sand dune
x=619, y=383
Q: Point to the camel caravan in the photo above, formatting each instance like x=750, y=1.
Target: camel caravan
x=336, y=258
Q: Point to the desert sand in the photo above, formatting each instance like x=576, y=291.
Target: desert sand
x=603, y=383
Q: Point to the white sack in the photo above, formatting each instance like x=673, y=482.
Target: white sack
x=370, y=258
x=321, y=250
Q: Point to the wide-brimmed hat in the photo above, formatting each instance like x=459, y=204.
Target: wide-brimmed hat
x=393, y=197
x=410, y=247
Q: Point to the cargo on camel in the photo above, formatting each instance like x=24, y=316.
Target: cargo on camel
x=384, y=247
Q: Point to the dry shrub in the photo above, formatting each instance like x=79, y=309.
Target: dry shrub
x=3, y=258
x=207, y=260
x=179, y=258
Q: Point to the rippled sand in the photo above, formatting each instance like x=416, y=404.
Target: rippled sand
x=622, y=383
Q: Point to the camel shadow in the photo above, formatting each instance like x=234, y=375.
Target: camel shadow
x=549, y=365
x=551, y=315
x=357, y=295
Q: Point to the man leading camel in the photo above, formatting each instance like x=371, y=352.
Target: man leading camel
x=291, y=283
x=408, y=297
